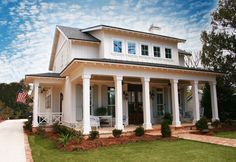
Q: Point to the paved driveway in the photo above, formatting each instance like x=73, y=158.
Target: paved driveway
x=12, y=147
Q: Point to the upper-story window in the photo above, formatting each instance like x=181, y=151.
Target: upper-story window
x=144, y=50
x=117, y=46
x=168, y=53
x=131, y=48
x=156, y=51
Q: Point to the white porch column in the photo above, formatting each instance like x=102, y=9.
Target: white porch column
x=146, y=104
x=196, y=109
x=118, y=102
x=36, y=104
x=214, y=104
x=86, y=104
x=175, y=102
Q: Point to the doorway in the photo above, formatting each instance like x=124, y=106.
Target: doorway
x=135, y=104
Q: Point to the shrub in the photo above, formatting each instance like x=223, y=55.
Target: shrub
x=139, y=131
x=216, y=124
x=202, y=124
x=229, y=122
x=116, y=133
x=65, y=138
x=101, y=111
x=165, y=129
x=93, y=134
x=168, y=118
x=28, y=124
x=41, y=131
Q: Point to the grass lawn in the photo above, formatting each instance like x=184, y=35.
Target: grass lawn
x=228, y=134
x=44, y=150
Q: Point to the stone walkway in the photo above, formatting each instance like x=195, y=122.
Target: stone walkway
x=209, y=139
x=12, y=141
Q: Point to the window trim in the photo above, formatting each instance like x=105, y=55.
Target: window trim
x=145, y=44
x=171, y=53
x=122, y=46
x=127, y=48
x=154, y=51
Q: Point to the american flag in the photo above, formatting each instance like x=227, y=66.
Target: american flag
x=21, y=97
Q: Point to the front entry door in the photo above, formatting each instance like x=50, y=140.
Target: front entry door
x=135, y=104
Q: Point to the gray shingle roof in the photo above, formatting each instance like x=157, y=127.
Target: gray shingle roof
x=140, y=64
x=52, y=75
x=183, y=52
x=75, y=33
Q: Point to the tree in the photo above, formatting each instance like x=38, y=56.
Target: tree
x=8, y=104
x=219, y=53
x=194, y=60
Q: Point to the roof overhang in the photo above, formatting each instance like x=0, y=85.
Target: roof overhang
x=101, y=27
x=32, y=77
x=109, y=62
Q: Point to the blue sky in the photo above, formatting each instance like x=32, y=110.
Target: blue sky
x=27, y=27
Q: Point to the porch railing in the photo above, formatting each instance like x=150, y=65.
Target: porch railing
x=49, y=118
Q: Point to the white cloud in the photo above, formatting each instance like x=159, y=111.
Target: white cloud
x=33, y=41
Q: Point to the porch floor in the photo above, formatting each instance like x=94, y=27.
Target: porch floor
x=156, y=129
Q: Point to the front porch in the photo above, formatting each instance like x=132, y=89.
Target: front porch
x=130, y=96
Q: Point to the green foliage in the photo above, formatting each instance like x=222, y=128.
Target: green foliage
x=11, y=109
x=168, y=118
x=65, y=138
x=41, y=131
x=165, y=128
x=219, y=53
x=63, y=130
x=206, y=101
x=139, y=131
x=116, y=133
x=216, y=124
x=101, y=111
x=93, y=134
x=202, y=124
x=28, y=124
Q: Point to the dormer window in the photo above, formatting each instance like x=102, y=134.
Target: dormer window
x=117, y=46
x=131, y=48
x=168, y=53
x=144, y=50
x=156, y=51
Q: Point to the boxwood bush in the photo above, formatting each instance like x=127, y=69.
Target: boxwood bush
x=202, y=124
x=139, y=131
x=93, y=134
x=116, y=133
x=165, y=128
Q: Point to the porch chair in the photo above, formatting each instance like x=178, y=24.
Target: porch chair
x=94, y=121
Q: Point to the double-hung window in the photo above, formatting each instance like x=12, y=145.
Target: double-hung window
x=131, y=48
x=156, y=51
x=117, y=46
x=168, y=53
x=144, y=50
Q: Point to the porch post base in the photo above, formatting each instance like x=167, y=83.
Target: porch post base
x=214, y=119
x=86, y=130
x=176, y=123
x=194, y=121
x=147, y=126
x=120, y=127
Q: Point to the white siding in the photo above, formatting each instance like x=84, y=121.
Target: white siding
x=84, y=50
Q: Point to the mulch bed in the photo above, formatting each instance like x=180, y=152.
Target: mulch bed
x=86, y=144
x=215, y=130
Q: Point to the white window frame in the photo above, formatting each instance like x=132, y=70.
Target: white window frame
x=122, y=46
x=153, y=51
x=127, y=48
x=145, y=44
x=171, y=50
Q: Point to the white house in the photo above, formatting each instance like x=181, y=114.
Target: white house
x=137, y=76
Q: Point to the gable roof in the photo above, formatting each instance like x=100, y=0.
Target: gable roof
x=100, y=27
x=76, y=34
